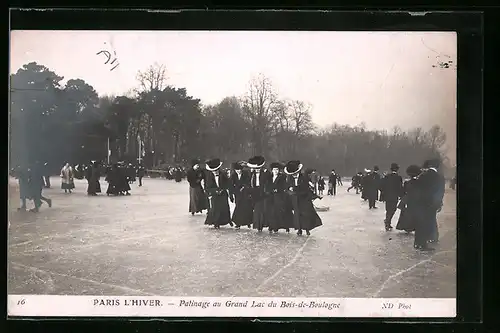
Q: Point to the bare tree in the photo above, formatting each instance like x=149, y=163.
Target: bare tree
x=301, y=117
x=258, y=108
x=436, y=137
x=153, y=78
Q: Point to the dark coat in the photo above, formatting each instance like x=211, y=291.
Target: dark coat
x=113, y=179
x=432, y=186
x=409, y=205
x=259, y=195
x=371, y=185
x=332, y=179
x=391, y=187
x=198, y=200
x=241, y=192
x=304, y=213
x=194, y=178
x=218, y=213
x=279, y=212
x=141, y=171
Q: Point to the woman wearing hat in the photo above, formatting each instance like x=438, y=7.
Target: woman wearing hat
x=304, y=214
x=217, y=186
x=391, y=190
x=409, y=201
x=239, y=191
x=197, y=199
x=278, y=212
x=259, y=181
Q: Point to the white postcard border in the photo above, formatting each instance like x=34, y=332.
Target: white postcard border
x=141, y=306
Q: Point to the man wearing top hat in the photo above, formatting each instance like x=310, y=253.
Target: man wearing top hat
x=217, y=185
x=304, y=214
x=391, y=190
x=371, y=186
x=258, y=183
x=197, y=199
x=240, y=195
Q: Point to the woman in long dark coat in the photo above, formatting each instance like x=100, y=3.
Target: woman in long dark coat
x=122, y=179
x=304, y=214
x=93, y=176
x=408, y=204
x=240, y=194
x=259, y=185
x=278, y=211
x=198, y=201
x=112, y=177
x=217, y=186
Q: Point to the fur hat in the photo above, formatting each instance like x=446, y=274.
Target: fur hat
x=394, y=167
x=194, y=162
x=376, y=168
x=256, y=162
x=213, y=164
x=276, y=165
x=367, y=170
x=413, y=170
x=293, y=167
x=237, y=166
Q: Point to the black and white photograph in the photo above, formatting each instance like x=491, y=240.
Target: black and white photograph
x=287, y=166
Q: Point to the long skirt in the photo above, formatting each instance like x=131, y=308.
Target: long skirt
x=279, y=212
x=304, y=214
x=259, y=220
x=67, y=185
x=407, y=220
x=198, y=200
x=123, y=185
x=243, y=210
x=219, y=213
x=94, y=186
x=113, y=189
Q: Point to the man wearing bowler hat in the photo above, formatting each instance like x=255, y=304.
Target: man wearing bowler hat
x=391, y=190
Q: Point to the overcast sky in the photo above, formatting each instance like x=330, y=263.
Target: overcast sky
x=381, y=78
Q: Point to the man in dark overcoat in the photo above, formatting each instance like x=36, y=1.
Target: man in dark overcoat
x=391, y=190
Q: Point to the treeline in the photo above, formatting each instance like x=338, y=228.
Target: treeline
x=162, y=124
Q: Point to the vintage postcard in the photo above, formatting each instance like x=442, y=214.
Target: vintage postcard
x=232, y=174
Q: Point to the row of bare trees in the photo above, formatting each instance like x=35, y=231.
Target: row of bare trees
x=161, y=124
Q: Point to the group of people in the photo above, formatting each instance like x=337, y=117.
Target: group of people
x=419, y=198
x=278, y=198
x=32, y=180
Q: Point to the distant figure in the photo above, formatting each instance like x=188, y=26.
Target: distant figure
x=371, y=186
x=321, y=185
x=67, y=182
x=314, y=181
x=46, y=175
x=36, y=186
x=356, y=182
x=332, y=183
x=140, y=173
x=22, y=175
x=93, y=176
x=339, y=180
